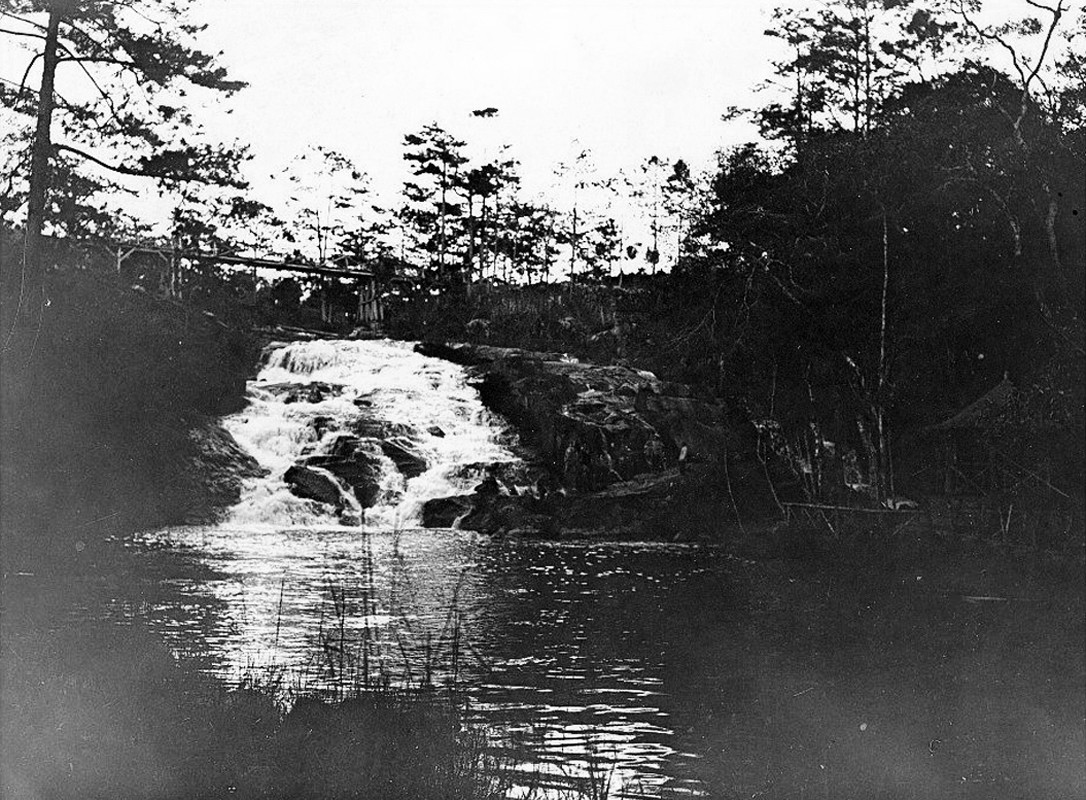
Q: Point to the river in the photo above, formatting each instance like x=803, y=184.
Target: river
x=677, y=669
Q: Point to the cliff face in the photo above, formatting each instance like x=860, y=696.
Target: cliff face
x=634, y=456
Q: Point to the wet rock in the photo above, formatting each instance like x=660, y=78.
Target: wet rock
x=321, y=425
x=611, y=436
x=405, y=455
x=442, y=512
x=357, y=463
x=508, y=473
x=314, y=483
x=382, y=429
x=591, y=423
x=316, y=392
x=489, y=513
x=211, y=476
x=501, y=514
x=343, y=445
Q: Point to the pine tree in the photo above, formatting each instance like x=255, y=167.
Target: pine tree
x=138, y=62
x=327, y=200
x=435, y=201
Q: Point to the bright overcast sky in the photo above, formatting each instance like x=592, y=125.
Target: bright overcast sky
x=626, y=78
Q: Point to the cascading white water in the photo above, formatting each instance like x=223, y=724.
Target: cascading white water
x=334, y=384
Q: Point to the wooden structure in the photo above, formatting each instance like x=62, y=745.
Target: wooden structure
x=992, y=471
x=370, y=307
x=971, y=463
x=840, y=519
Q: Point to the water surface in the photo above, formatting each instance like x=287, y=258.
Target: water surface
x=672, y=669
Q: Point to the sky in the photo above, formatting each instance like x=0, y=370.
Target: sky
x=627, y=80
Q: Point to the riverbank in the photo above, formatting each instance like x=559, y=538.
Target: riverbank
x=590, y=431
x=612, y=452
x=109, y=419
x=106, y=710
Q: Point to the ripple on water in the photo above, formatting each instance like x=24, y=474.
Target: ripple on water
x=559, y=643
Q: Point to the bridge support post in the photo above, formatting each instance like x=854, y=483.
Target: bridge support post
x=369, y=304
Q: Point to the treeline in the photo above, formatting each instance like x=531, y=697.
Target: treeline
x=915, y=243
x=901, y=246
x=907, y=237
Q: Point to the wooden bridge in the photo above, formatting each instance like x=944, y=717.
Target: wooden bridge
x=370, y=306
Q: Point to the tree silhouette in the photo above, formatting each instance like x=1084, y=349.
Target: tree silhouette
x=434, y=201
x=138, y=62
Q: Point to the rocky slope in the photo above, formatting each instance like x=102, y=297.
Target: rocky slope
x=608, y=446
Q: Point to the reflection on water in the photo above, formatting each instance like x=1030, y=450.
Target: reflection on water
x=564, y=647
x=667, y=669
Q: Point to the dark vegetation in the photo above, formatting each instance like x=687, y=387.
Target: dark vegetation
x=897, y=308
x=108, y=415
x=906, y=246
x=106, y=711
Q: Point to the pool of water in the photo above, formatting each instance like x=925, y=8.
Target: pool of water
x=667, y=669
x=674, y=669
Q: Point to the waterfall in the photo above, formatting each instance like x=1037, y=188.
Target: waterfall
x=369, y=418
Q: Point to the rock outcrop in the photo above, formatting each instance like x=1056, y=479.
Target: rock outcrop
x=405, y=455
x=345, y=463
x=211, y=475
x=354, y=462
x=610, y=438
x=595, y=425
x=314, y=483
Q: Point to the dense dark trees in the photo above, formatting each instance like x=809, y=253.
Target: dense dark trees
x=909, y=232
x=918, y=240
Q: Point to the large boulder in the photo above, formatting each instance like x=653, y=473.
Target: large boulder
x=443, y=512
x=595, y=425
x=405, y=455
x=368, y=428
x=210, y=475
x=314, y=483
x=488, y=513
x=501, y=514
x=355, y=461
x=348, y=461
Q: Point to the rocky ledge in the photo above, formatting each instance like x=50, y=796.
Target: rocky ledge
x=614, y=451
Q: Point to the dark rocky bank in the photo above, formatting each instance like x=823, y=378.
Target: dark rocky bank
x=611, y=451
x=110, y=419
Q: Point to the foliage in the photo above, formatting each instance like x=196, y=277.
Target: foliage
x=126, y=76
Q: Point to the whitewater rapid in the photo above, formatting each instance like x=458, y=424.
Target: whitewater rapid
x=380, y=381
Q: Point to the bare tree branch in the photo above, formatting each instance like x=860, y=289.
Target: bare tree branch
x=26, y=72
x=100, y=60
x=22, y=19
x=105, y=95
x=1043, y=7
x=1057, y=13
x=1026, y=78
x=10, y=32
x=118, y=168
x=992, y=37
